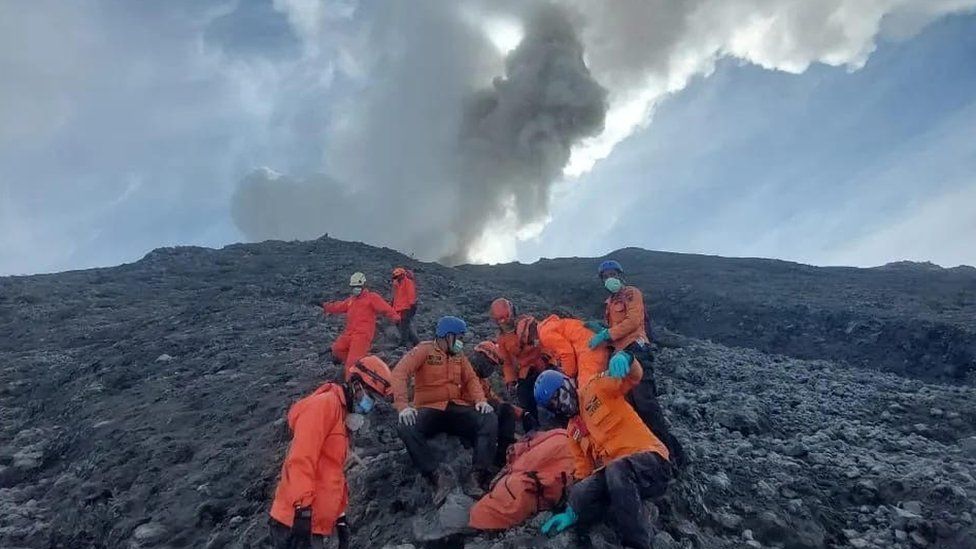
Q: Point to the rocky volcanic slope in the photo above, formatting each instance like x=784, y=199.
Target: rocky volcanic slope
x=142, y=406
x=915, y=319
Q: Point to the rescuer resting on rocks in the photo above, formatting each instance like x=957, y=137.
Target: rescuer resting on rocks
x=486, y=360
x=360, y=309
x=522, y=360
x=448, y=398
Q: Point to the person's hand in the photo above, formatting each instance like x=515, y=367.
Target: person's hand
x=620, y=365
x=559, y=522
x=408, y=416
x=342, y=531
x=484, y=407
x=301, y=527
x=600, y=337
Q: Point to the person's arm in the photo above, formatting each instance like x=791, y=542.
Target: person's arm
x=302, y=460
x=556, y=343
x=471, y=381
x=508, y=365
x=336, y=307
x=381, y=306
x=404, y=370
x=634, y=320
x=583, y=464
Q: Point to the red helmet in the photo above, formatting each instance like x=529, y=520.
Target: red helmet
x=490, y=350
x=527, y=329
x=374, y=373
x=502, y=310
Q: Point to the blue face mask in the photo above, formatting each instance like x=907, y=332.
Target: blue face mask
x=365, y=405
x=613, y=285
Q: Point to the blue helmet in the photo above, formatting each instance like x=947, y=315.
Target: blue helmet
x=450, y=325
x=546, y=386
x=610, y=265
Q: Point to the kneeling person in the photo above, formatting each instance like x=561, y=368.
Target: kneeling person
x=311, y=498
x=447, y=399
x=618, y=460
x=485, y=360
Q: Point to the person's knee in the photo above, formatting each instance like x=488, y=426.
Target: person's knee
x=488, y=424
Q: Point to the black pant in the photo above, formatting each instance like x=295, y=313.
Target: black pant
x=281, y=538
x=643, y=397
x=617, y=491
x=506, y=429
x=525, y=393
x=460, y=421
x=408, y=336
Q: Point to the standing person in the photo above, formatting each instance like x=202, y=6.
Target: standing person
x=360, y=309
x=405, y=304
x=485, y=360
x=618, y=460
x=447, y=399
x=522, y=358
x=627, y=335
x=311, y=497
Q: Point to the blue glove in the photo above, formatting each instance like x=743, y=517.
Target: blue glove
x=599, y=337
x=595, y=325
x=620, y=365
x=560, y=522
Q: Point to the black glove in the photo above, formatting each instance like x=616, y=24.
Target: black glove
x=342, y=532
x=301, y=528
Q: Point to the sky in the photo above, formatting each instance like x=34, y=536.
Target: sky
x=836, y=132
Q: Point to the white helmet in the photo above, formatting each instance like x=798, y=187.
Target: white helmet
x=357, y=280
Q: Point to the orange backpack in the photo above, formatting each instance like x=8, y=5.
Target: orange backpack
x=539, y=470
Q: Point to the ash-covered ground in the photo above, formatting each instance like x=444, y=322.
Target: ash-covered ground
x=143, y=406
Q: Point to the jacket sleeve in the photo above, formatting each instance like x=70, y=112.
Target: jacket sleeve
x=403, y=371
x=508, y=365
x=303, y=456
x=556, y=343
x=635, y=315
x=583, y=465
x=336, y=307
x=381, y=306
x=472, y=384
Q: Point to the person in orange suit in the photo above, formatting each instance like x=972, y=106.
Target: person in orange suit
x=567, y=341
x=485, y=360
x=626, y=333
x=405, y=304
x=311, y=497
x=522, y=359
x=447, y=398
x=360, y=309
x=618, y=460
x=535, y=478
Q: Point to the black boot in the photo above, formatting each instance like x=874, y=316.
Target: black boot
x=473, y=484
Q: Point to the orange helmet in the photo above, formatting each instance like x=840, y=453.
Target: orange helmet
x=502, y=310
x=399, y=271
x=374, y=373
x=490, y=350
x=527, y=329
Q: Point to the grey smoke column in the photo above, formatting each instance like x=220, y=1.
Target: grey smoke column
x=516, y=137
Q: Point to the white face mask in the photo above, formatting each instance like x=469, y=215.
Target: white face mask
x=354, y=422
x=356, y=290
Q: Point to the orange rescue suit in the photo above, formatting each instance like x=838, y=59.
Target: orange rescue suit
x=527, y=358
x=607, y=427
x=312, y=474
x=567, y=340
x=357, y=338
x=404, y=293
x=438, y=378
x=539, y=469
x=625, y=317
